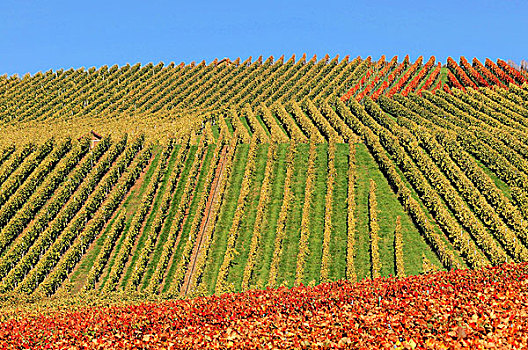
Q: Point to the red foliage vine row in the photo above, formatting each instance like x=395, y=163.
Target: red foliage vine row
x=456, y=309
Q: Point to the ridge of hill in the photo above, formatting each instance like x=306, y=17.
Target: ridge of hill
x=170, y=100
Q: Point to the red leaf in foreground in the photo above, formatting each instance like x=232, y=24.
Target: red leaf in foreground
x=456, y=309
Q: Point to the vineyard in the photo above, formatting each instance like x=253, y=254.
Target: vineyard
x=173, y=181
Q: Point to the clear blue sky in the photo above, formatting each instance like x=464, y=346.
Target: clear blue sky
x=39, y=35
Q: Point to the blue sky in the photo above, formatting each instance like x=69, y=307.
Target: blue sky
x=42, y=35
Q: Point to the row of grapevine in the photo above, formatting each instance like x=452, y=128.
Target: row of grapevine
x=272, y=83
x=195, y=281
x=338, y=124
x=327, y=231
x=392, y=79
x=244, y=87
x=13, y=162
x=239, y=127
x=140, y=267
x=42, y=233
x=380, y=77
x=283, y=216
x=104, y=254
x=200, y=216
x=475, y=173
x=200, y=85
x=289, y=123
x=150, y=88
x=6, y=153
x=308, y=80
x=406, y=76
x=317, y=91
x=287, y=84
x=521, y=94
x=427, y=194
x=490, y=112
x=442, y=186
x=305, y=218
x=80, y=231
x=502, y=97
x=255, y=86
x=395, y=75
x=309, y=83
x=136, y=89
x=39, y=223
x=235, y=68
x=254, y=71
x=517, y=75
x=491, y=156
x=184, y=79
x=45, y=228
x=256, y=127
x=431, y=79
x=414, y=83
x=359, y=75
x=350, y=73
x=83, y=241
x=136, y=225
x=501, y=111
x=177, y=223
x=472, y=72
x=398, y=249
x=22, y=207
x=235, y=225
x=502, y=159
x=444, y=253
x=499, y=73
x=459, y=73
x=20, y=175
x=322, y=124
x=263, y=204
x=484, y=71
x=304, y=122
x=469, y=192
x=276, y=131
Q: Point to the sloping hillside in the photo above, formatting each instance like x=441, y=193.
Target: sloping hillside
x=202, y=179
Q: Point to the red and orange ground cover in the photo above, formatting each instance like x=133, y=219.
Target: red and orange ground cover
x=487, y=308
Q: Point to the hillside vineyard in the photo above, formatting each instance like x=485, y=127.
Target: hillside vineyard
x=186, y=180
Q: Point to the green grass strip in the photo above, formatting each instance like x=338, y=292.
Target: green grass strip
x=243, y=242
x=312, y=266
x=223, y=225
x=366, y=167
x=267, y=244
x=290, y=243
x=338, y=241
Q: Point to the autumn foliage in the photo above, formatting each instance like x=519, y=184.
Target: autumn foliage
x=230, y=176
x=456, y=309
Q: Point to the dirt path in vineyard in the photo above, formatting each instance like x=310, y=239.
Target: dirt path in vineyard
x=205, y=221
x=185, y=216
x=80, y=279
